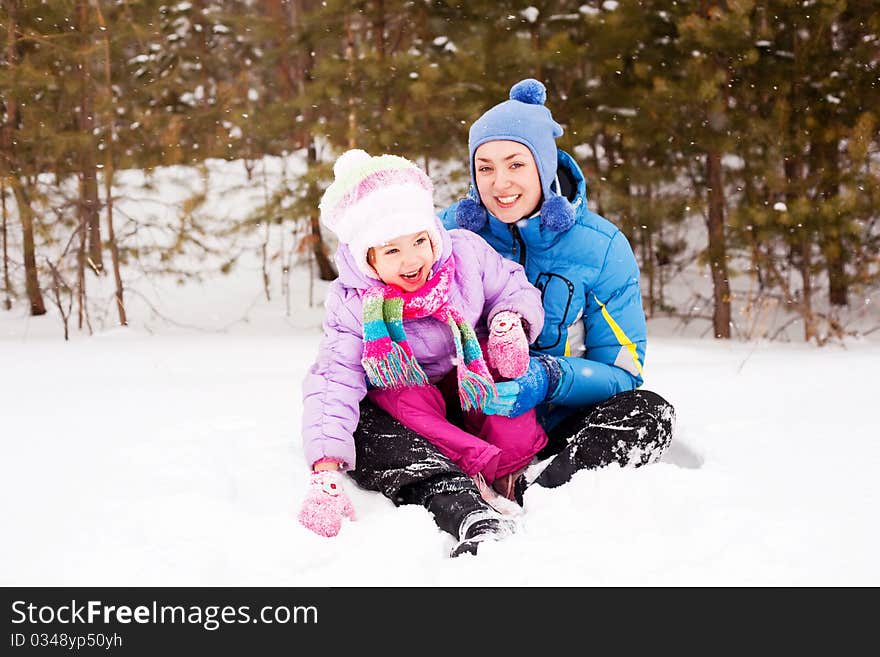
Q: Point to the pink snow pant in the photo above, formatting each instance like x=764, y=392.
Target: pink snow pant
x=491, y=444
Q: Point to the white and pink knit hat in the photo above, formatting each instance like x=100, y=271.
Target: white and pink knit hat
x=376, y=199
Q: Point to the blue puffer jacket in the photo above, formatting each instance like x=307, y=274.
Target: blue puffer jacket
x=589, y=281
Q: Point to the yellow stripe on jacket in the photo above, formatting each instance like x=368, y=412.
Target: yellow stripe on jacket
x=621, y=336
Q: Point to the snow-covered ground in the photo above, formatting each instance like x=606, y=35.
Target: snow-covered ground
x=136, y=459
x=168, y=453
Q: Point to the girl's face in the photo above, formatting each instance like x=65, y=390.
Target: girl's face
x=405, y=261
x=507, y=179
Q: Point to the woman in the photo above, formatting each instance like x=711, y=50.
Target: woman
x=528, y=202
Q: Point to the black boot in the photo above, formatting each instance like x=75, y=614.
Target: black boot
x=480, y=526
x=407, y=469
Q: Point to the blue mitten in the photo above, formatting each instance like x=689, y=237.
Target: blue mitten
x=525, y=392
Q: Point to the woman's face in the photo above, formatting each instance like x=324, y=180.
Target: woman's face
x=507, y=179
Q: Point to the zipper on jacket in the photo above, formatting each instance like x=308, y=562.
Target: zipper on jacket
x=520, y=244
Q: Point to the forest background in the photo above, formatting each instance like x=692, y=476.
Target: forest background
x=733, y=138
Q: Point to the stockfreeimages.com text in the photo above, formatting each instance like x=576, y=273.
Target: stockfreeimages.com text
x=211, y=617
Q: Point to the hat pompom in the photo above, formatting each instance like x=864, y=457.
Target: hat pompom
x=470, y=215
x=557, y=214
x=529, y=91
x=349, y=160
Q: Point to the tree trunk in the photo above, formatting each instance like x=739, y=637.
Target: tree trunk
x=717, y=247
x=802, y=248
x=834, y=247
x=648, y=269
x=7, y=288
x=327, y=271
x=806, y=249
x=535, y=40
x=108, y=175
x=81, y=275
x=304, y=65
x=31, y=279
x=86, y=124
x=595, y=196
x=649, y=261
x=283, y=14
x=349, y=58
x=827, y=141
x=111, y=237
x=381, y=53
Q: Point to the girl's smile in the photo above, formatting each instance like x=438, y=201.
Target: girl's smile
x=404, y=261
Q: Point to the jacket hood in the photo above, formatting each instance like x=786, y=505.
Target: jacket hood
x=569, y=167
x=350, y=274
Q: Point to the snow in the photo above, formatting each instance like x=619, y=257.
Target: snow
x=622, y=111
x=588, y=10
x=530, y=14
x=168, y=453
x=174, y=460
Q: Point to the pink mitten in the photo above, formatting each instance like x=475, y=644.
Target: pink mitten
x=508, y=348
x=326, y=504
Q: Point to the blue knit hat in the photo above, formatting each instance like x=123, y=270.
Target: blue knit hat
x=525, y=120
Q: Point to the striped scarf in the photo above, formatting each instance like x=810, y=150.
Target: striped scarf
x=388, y=359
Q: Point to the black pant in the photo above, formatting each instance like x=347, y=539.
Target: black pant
x=407, y=469
x=632, y=428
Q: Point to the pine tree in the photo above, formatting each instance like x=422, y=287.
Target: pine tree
x=714, y=46
x=609, y=62
x=808, y=93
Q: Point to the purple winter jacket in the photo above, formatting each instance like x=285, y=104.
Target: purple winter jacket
x=485, y=284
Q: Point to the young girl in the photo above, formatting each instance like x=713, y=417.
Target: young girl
x=400, y=329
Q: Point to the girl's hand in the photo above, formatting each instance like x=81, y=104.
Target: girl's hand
x=508, y=347
x=326, y=503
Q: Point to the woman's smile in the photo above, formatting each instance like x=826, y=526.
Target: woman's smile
x=507, y=201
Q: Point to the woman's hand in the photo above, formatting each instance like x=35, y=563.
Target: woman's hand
x=523, y=393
